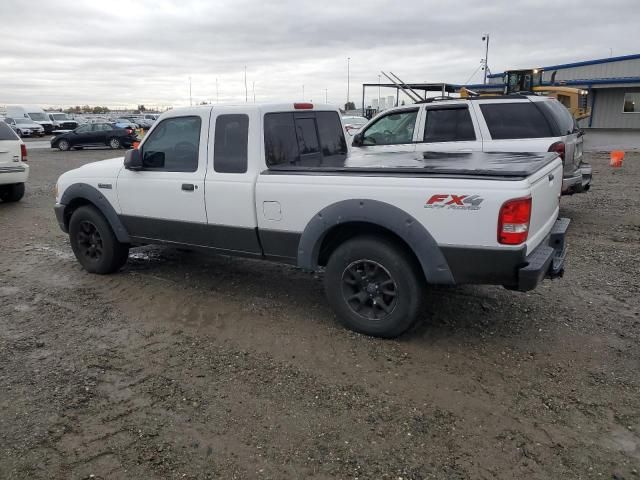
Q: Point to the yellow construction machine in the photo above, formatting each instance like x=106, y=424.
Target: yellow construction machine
x=530, y=81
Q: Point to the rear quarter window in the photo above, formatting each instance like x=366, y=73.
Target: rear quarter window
x=6, y=132
x=560, y=115
x=515, y=120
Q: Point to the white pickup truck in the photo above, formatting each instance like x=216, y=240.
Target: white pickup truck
x=276, y=182
x=14, y=170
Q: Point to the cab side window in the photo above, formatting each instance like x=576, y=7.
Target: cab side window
x=173, y=145
x=395, y=128
x=231, y=143
x=83, y=129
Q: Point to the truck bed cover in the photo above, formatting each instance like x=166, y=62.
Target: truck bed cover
x=483, y=164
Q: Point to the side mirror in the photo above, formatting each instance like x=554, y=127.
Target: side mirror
x=357, y=140
x=133, y=160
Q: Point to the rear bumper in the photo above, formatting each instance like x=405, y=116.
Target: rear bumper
x=14, y=174
x=547, y=260
x=579, y=182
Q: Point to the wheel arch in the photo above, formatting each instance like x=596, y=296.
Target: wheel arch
x=80, y=194
x=345, y=219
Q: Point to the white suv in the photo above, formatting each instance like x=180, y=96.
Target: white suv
x=13, y=169
x=512, y=123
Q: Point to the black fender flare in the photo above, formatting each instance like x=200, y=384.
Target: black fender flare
x=93, y=195
x=432, y=260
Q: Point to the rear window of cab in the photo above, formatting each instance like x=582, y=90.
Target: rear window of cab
x=304, y=139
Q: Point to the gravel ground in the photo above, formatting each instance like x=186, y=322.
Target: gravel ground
x=189, y=366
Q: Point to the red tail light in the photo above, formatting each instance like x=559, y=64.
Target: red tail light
x=129, y=131
x=23, y=152
x=559, y=148
x=513, y=221
x=303, y=106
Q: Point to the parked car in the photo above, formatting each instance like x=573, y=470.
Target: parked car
x=277, y=182
x=513, y=123
x=141, y=122
x=125, y=123
x=353, y=123
x=25, y=127
x=94, y=135
x=14, y=170
x=33, y=113
x=62, y=121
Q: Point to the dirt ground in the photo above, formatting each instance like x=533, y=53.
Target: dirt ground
x=189, y=366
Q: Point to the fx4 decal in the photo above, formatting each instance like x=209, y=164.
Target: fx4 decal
x=454, y=201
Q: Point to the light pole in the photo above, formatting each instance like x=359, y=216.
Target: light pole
x=379, y=92
x=326, y=95
x=348, y=77
x=246, y=90
x=303, y=91
x=190, y=100
x=485, y=38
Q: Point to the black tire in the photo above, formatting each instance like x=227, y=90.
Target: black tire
x=12, y=193
x=63, y=145
x=94, y=243
x=375, y=286
x=115, y=143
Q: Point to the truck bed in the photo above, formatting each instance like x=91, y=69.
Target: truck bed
x=511, y=166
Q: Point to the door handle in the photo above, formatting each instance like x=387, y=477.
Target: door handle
x=189, y=187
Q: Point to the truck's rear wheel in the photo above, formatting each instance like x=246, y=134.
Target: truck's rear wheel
x=374, y=286
x=94, y=243
x=11, y=193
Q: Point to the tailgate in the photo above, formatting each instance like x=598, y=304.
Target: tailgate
x=9, y=152
x=545, y=202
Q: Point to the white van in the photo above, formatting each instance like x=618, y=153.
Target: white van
x=33, y=112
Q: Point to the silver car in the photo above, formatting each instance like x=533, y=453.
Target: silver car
x=25, y=127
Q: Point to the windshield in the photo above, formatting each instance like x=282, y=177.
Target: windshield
x=60, y=116
x=37, y=116
x=24, y=121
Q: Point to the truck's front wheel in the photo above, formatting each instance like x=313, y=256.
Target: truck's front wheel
x=94, y=243
x=374, y=286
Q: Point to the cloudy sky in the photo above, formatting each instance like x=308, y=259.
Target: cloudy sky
x=120, y=53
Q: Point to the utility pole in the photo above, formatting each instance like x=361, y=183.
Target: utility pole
x=246, y=90
x=303, y=91
x=217, y=93
x=348, y=76
x=485, y=38
x=190, y=99
x=253, y=87
x=326, y=95
x=379, y=92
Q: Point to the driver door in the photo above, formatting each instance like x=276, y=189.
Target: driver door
x=165, y=200
x=393, y=132
x=82, y=135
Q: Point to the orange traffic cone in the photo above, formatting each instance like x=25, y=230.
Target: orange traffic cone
x=617, y=156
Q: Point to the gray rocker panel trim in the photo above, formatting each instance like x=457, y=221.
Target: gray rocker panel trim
x=93, y=195
x=431, y=258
